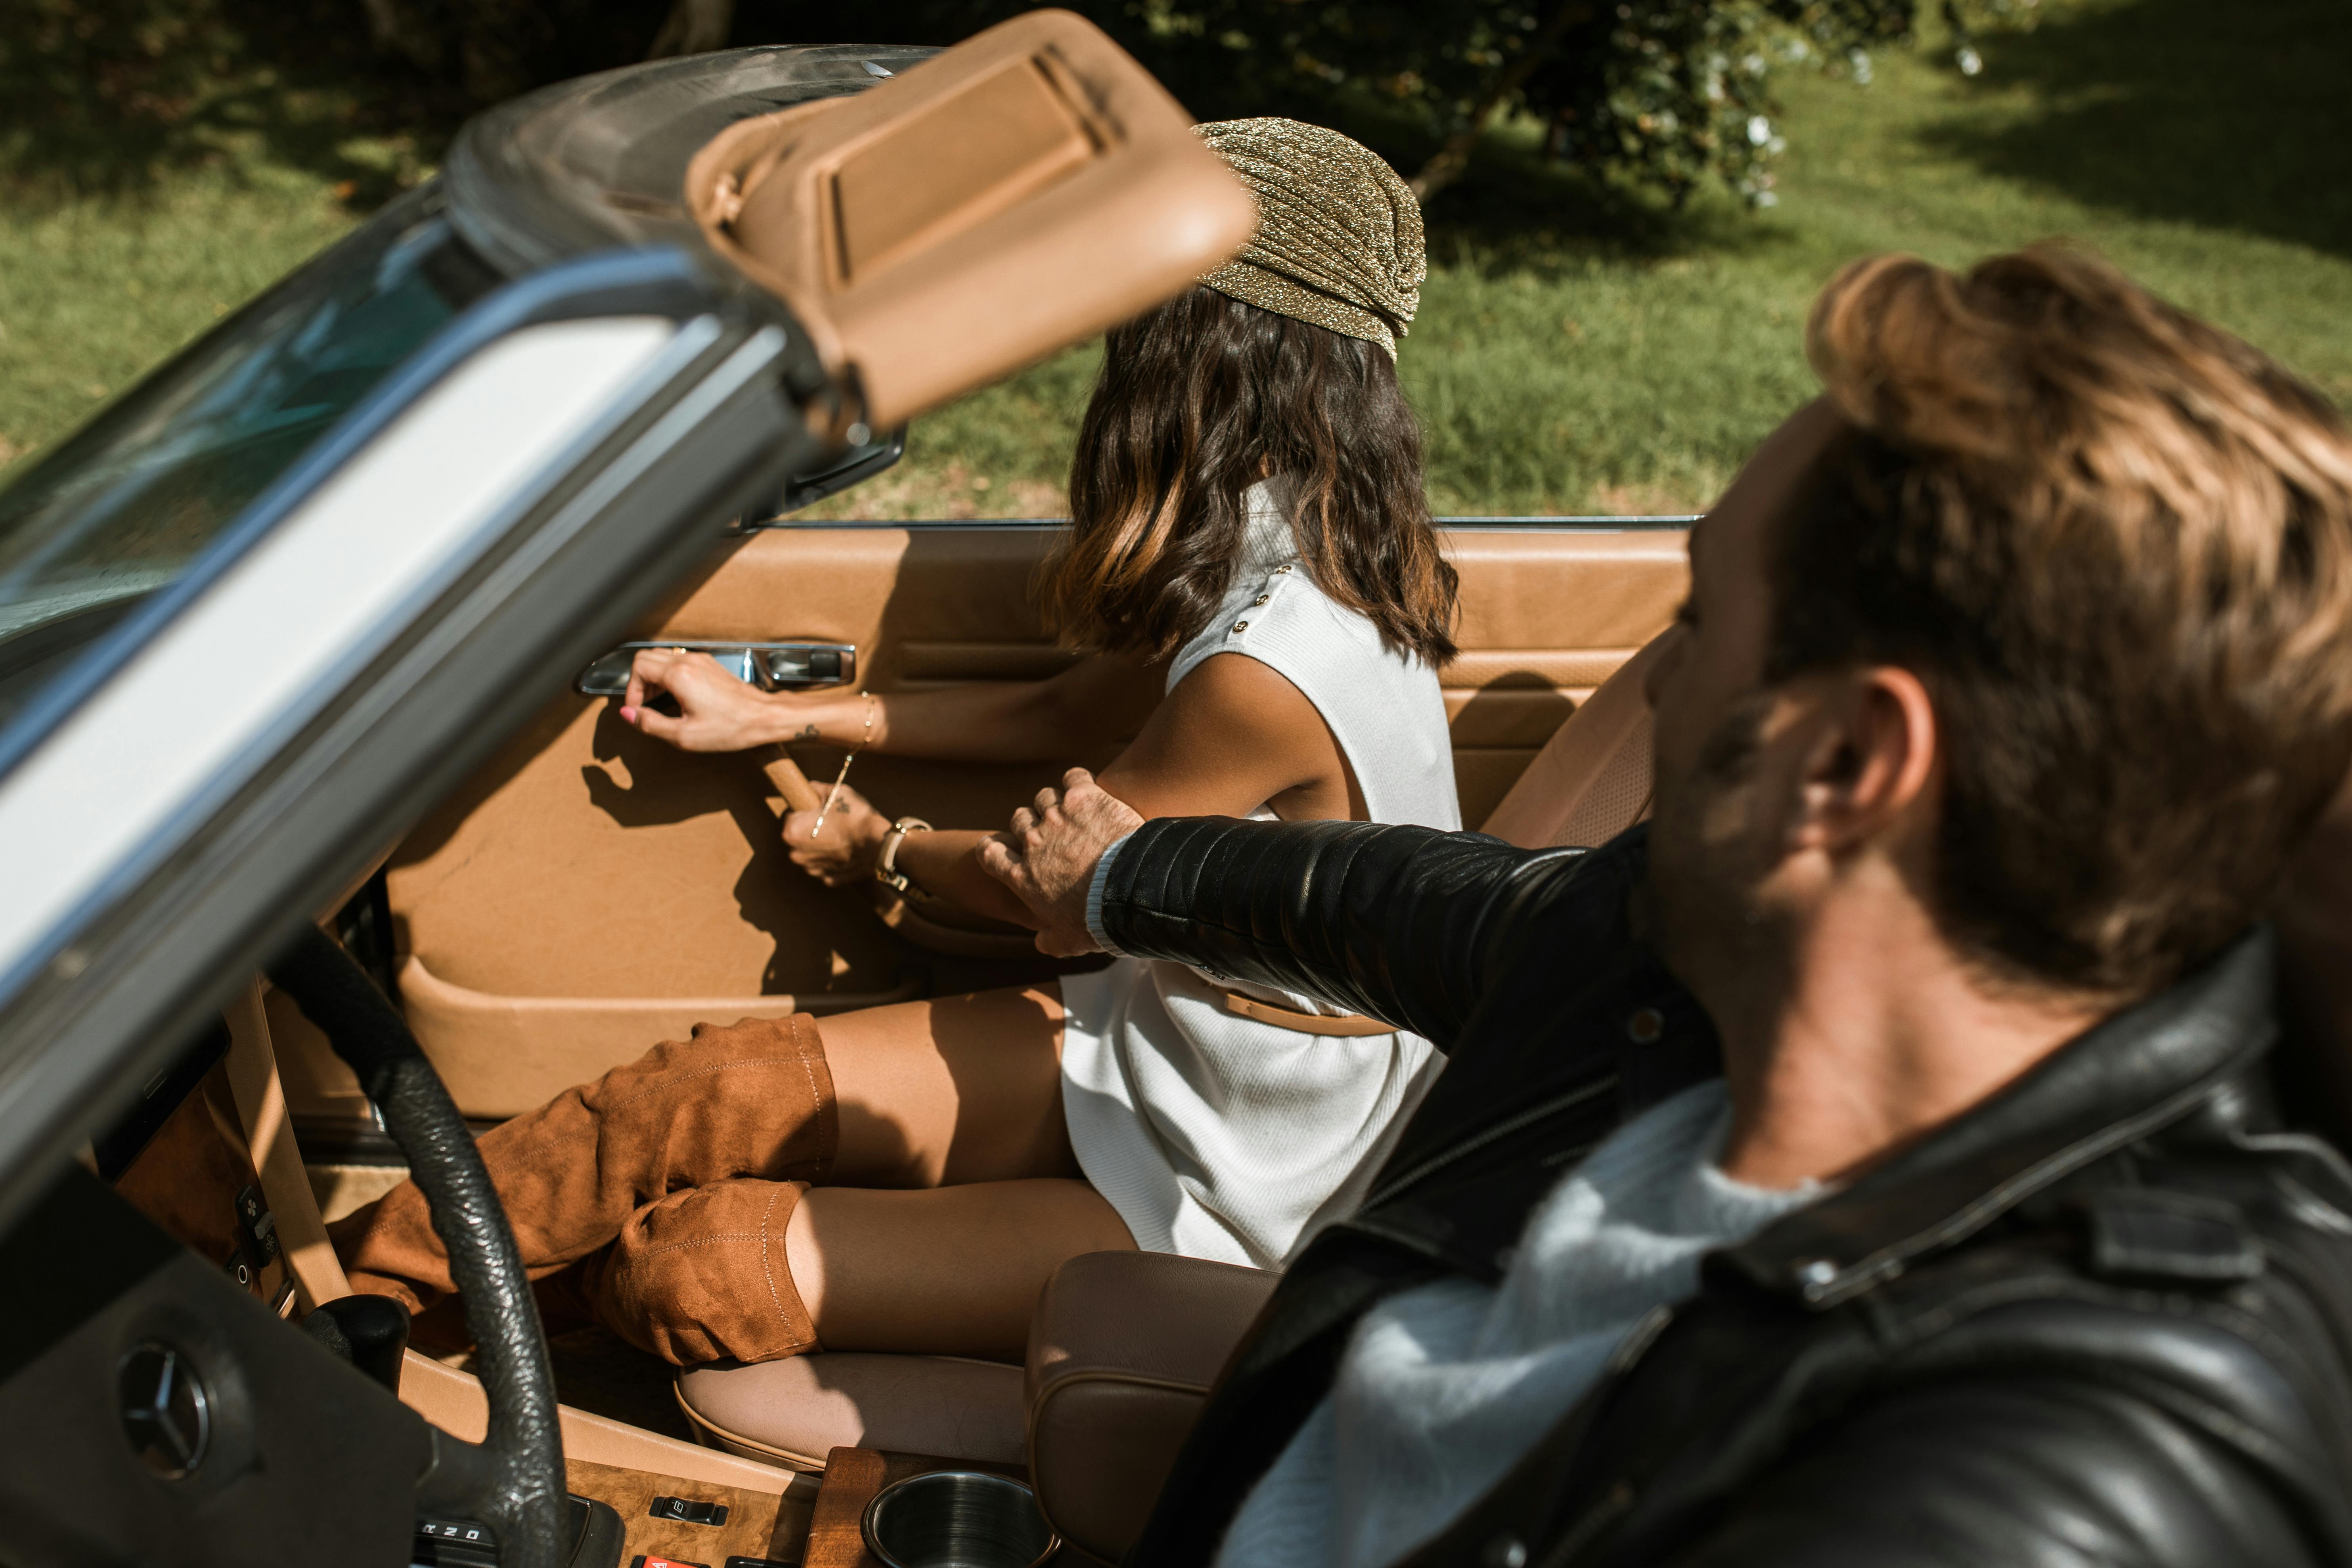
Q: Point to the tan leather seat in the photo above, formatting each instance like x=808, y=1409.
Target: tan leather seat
x=1124, y=1349
x=1130, y=1341
x=791, y=1412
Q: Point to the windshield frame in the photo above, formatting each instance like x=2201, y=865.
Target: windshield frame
x=94, y=1004
x=462, y=336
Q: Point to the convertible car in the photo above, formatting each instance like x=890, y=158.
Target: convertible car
x=325, y=848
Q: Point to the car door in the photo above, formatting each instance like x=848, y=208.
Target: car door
x=592, y=890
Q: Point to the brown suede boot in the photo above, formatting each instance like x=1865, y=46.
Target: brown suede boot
x=754, y=1100
x=702, y=1276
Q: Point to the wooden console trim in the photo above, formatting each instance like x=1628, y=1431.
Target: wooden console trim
x=759, y=1524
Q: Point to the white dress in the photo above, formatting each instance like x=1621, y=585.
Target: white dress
x=1219, y=1136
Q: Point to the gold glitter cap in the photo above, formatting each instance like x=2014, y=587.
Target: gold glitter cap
x=1339, y=235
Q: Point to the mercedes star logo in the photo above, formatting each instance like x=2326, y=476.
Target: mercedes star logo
x=165, y=1412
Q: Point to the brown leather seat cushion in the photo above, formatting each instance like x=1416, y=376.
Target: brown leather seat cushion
x=791, y=1412
x=1122, y=1353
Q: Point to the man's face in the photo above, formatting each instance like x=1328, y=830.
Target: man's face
x=1717, y=836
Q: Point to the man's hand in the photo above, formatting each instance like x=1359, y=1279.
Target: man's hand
x=716, y=712
x=1047, y=858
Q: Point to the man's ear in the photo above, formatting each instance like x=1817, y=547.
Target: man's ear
x=1870, y=754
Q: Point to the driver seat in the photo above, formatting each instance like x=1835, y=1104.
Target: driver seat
x=1588, y=784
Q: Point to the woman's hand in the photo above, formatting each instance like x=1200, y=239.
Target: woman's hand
x=849, y=846
x=716, y=712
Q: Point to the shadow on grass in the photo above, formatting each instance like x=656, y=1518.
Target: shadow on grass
x=2227, y=116
x=1514, y=211
x=111, y=96
x=358, y=133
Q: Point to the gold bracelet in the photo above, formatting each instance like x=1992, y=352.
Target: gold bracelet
x=842, y=777
x=885, y=868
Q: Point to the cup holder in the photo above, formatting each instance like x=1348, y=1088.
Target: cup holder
x=958, y=1519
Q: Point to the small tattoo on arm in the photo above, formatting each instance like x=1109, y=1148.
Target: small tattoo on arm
x=808, y=732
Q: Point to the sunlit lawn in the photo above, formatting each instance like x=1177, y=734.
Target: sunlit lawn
x=1572, y=355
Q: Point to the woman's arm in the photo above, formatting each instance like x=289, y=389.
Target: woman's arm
x=1093, y=701
x=1235, y=735
x=1232, y=736
x=946, y=865
x=843, y=852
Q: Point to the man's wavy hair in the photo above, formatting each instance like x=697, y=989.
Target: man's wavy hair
x=1199, y=400
x=2115, y=542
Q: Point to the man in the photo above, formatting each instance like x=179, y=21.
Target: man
x=1939, y=1211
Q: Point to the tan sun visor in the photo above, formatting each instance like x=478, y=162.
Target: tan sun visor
x=1008, y=197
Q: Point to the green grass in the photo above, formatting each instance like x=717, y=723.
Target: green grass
x=117, y=249
x=94, y=293
x=1576, y=351
x=1575, y=354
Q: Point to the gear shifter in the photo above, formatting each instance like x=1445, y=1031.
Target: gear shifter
x=369, y=1332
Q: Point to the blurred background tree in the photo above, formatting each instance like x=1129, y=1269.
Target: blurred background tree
x=1659, y=94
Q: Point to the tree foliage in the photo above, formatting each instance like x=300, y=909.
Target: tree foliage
x=1663, y=95
x=1657, y=93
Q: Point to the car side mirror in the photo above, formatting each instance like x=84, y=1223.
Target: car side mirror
x=1010, y=196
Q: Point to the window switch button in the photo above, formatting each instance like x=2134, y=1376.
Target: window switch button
x=687, y=1510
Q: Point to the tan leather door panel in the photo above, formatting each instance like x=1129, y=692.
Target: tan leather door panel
x=592, y=891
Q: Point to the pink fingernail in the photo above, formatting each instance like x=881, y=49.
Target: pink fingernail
x=628, y=715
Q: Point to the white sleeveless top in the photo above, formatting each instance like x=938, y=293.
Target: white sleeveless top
x=1215, y=1135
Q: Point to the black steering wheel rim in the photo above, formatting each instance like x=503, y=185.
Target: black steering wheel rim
x=513, y=1482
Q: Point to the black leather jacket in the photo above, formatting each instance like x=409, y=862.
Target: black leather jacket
x=2103, y=1318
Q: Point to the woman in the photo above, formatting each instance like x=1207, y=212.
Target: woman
x=1247, y=512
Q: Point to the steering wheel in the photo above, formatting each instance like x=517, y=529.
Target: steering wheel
x=513, y=1480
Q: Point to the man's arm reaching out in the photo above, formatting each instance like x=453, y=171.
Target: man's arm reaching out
x=1387, y=921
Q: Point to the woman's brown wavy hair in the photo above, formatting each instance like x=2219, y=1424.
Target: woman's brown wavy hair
x=1199, y=400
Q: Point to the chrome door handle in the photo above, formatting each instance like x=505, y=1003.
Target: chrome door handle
x=770, y=666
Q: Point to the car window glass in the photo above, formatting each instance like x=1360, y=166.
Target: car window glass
x=129, y=502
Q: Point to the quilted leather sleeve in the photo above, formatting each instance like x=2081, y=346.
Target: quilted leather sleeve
x=1397, y=923
x=2005, y=1472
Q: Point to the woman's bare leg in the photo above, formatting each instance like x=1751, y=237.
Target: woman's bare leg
x=953, y=1194
x=949, y=1091
x=958, y=1104
x=949, y=1270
